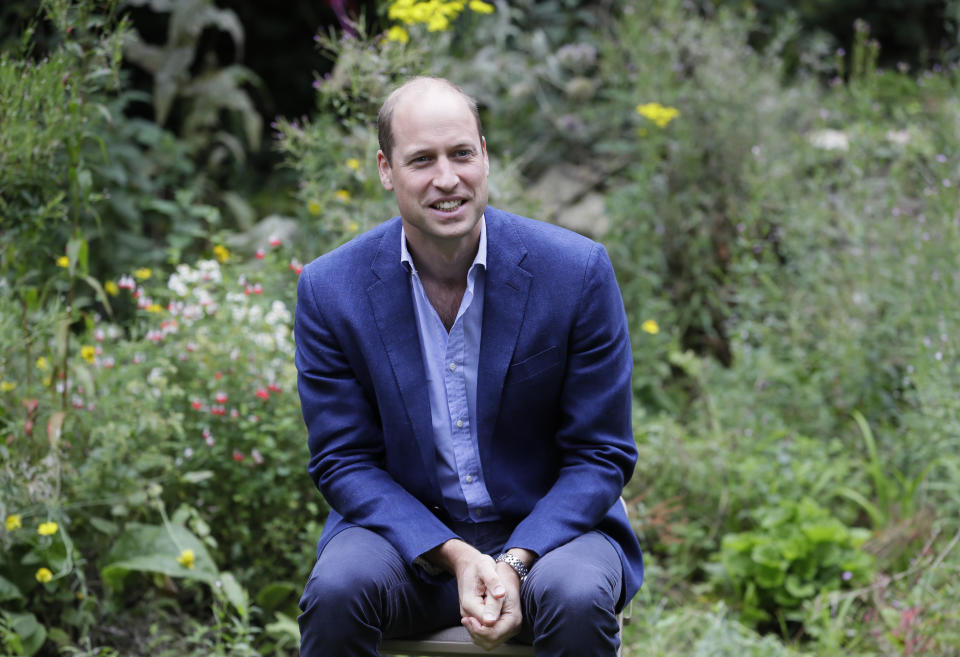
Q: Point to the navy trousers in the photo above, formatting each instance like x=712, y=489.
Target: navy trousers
x=361, y=590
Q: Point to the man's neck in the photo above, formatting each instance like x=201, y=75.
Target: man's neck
x=441, y=263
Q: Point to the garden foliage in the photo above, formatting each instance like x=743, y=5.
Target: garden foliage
x=782, y=220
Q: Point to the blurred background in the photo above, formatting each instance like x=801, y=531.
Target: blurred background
x=776, y=184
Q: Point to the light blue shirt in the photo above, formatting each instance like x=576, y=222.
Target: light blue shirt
x=451, y=361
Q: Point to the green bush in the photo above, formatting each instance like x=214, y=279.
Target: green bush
x=799, y=550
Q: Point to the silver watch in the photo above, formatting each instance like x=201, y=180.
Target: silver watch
x=515, y=563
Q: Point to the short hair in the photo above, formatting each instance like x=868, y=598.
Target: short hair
x=385, y=116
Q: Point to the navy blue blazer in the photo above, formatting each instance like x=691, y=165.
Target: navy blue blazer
x=553, y=391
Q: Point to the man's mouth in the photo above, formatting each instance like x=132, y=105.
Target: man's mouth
x=447, y=206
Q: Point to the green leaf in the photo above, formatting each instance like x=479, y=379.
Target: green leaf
x=798, y=588
x=155, y=549
x=275, y=594
x=235, y=593
x=197, y=476
x=32, y=634
x=98, y=290
x=284, y=626
x=9, y=590
x=105, y=526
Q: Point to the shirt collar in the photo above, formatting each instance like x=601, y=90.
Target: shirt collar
x=480, y=259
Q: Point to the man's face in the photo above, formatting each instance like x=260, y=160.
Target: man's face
x=439, y=167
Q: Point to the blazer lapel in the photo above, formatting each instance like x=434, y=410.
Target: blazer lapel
x=506, y=290
x=397, y=324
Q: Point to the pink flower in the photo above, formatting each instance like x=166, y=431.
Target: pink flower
x=258, y=289
x=275, y=241
x=210, y=441
x=259, y=255
x=238, y=456
x=197, y=404
x=295, y=266
x=262, y=393
x=218, y=410
x=126, y=283
x=256, y=456
x=218, y=376
x=273, y=387
x=220, y=397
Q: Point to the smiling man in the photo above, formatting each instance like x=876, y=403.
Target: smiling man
x=464, y=376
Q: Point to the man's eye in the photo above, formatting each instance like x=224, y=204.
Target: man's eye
x=464, y=153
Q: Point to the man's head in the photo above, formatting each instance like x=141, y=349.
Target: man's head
x=434, y=160
x=385, y=116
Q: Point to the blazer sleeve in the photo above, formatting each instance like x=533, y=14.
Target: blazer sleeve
x=345, y=436
x=595, y=434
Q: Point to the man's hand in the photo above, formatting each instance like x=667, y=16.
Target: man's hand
x=489, y=592
x=507, y=625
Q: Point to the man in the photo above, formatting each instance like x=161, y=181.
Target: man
x=464, y=375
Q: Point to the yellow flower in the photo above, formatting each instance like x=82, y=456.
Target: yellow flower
x=154, y=308
x=658, y=113
x=13, y=522
x=111, y=288
x=44, y=575
x=142, y=274
x=352, y=227
x=47, y=528
x=7, y=386
x=221, y=253
x=398, y=34
x=342, y=195
x=650, y=326
x=438, y=23
x=353, y=163
x=63, y=261
x=88, y=353
x=186, y=558
x=42, y=363
x=47, y=381
x=314, y=207
x=481, y=7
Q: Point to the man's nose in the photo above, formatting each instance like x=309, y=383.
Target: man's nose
x=445, y=177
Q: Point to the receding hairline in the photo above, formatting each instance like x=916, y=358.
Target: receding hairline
x=385, y=116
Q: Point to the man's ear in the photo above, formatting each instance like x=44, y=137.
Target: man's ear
x=483, y=149
x=386, y=173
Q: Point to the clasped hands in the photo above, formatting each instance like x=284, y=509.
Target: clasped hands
x=489, y=592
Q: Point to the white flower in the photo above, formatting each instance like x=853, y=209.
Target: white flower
x=178, y=286
x=898, y=137
x=829, y=140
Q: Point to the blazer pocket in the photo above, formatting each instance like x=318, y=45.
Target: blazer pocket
x=534, y=365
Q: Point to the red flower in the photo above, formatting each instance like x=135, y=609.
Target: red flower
x=262, y=393
x=220, y=397
x=197, y=404
x=273, y=387
x=238, y=456
x=259, y=254
x=218, y=376
x=275, y=241
x=258, y=289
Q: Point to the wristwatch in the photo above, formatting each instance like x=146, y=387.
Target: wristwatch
x=515, y=563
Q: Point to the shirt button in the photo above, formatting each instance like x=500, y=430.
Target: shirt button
x=453, y=366
x=459, y=424
x=468, y=479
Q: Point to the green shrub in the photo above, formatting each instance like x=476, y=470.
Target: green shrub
x=799, y=550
